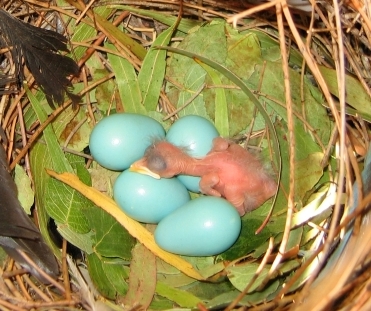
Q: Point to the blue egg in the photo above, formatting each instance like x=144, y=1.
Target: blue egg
x=205, y=226
x=193, y=132
x=196, y=135
x=121, y=139
x=192, y=183
x=147, y=199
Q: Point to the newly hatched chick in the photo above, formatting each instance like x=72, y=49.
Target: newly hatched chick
x=228, y=171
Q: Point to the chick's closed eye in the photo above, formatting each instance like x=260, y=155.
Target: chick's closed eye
x=156, y=162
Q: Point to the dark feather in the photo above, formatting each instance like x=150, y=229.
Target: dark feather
x=17, y=231
x=39, y=48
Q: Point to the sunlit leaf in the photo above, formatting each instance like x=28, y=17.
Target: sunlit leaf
x=221, y=108
x=151, y=75
x=127, y=83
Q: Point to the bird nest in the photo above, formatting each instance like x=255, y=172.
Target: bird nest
x=288, y=78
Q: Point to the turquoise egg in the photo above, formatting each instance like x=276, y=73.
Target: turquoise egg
x=193, y=132
x=196, y=135
x=205, y=226
x=147, y=199
x=192, y=183
x=121, y=139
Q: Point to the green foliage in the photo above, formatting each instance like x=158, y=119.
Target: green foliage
x=108, y=278
x=78, y=220
x=25, y=193
x=215, y=58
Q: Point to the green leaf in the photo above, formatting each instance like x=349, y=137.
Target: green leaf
x=99, y=240
x=134, y=47
x=162, y=303
x=104, y=91
x=180, y=297
x=221, y=108
x=127, y=83
x=117, y=274
x=307, y=173
x=65, y=205
x=240, y=109
x=193, y=81
x=25, y=193
x=304, y=147
x=268, y=77
x=235, y=79
x=244, y=51
x=207, y=290
x=212, y=269
x=188, y=77
x=288, y=266
x=241, y=275
x=175, y=280
x=48, y=154
x=81, y=132
x=108, y=278
x=152, y=73
x=105, y=228
x=84, y=32
x=248, y=240
x=223, y=300
x=60, y=164
x=270, y=48
x=185, y=24
x=355, y=95
x=294, y=238
x=81, y=240
x=103, y=225
x=40, y=159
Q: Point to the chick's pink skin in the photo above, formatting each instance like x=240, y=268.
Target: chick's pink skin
x=228, y=171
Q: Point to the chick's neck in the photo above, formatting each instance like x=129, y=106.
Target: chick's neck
x=188, y=165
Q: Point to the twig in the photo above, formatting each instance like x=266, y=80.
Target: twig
x=234, y=19
x=41, y=272
x=291, y=140
x=66, y=279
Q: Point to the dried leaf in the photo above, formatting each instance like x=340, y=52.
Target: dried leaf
x=142, y=279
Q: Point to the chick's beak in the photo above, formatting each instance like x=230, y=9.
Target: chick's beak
x=139, y=167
